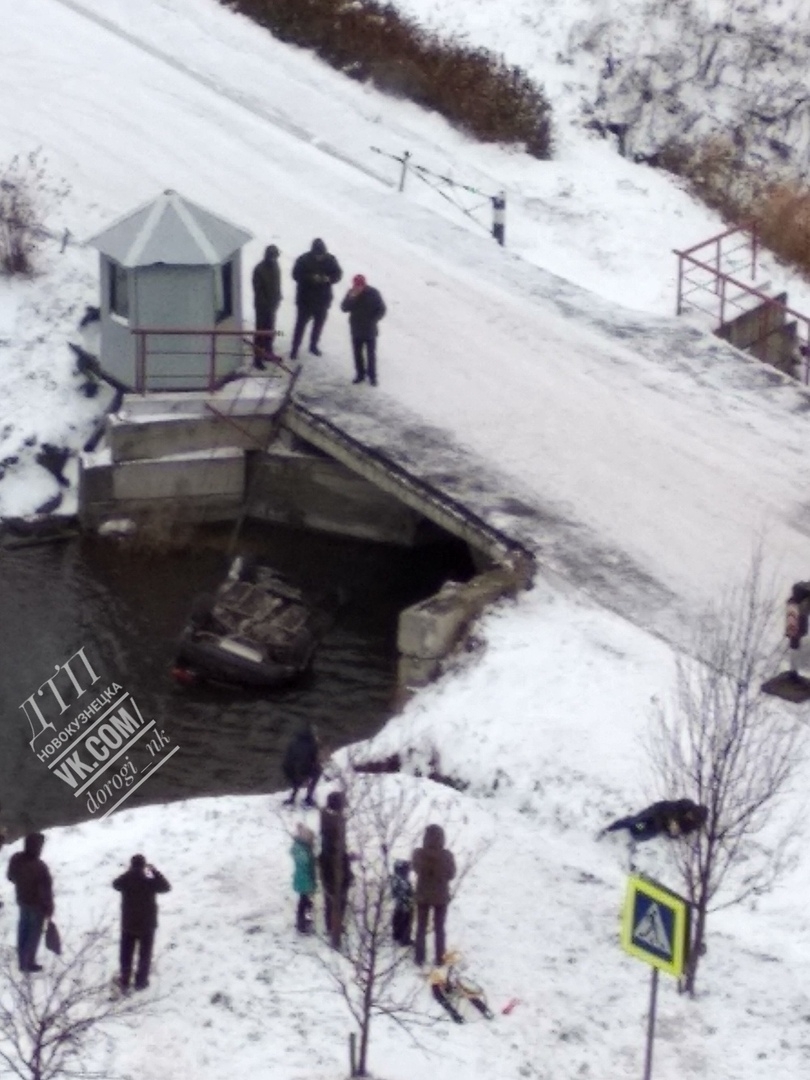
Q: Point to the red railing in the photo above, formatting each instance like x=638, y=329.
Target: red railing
x=218, y=354
x=722, y=256
x=708, y=284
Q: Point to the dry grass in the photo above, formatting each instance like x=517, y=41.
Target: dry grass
x=783, y=220
x=473, y=89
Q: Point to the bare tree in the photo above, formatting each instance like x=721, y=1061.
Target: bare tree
x=374, y=975
x=735, y=751
x=47, y=1020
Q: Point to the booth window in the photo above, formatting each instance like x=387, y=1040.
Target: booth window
x=119, y=290
x=223, y=299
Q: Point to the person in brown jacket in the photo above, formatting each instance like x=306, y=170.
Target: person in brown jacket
x=334, y=863
x=138, y=887
x=434, y=866
x=32, y=881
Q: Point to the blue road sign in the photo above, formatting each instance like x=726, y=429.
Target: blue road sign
x=655, y=925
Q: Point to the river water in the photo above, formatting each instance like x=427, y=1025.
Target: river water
x=125, y=608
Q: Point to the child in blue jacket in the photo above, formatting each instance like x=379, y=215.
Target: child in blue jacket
x=304, y=880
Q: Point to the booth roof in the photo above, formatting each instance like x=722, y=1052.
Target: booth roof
x=170, y=230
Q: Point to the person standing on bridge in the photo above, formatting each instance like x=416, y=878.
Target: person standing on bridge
x=314, y=272
x=366, y=307
x=266, y=299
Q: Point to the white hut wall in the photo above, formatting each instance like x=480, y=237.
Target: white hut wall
x=178, y=298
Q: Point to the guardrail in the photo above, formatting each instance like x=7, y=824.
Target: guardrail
x=709, y=284
x=219, y=353
x=721, y=258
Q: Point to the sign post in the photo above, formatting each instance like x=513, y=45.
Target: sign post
x=651, y=1024
x=655, y=929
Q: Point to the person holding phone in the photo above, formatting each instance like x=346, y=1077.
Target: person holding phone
x=139, y=888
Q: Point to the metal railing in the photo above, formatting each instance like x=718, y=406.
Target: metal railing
x=708, y=282
x=708, y=274
x=168, y=354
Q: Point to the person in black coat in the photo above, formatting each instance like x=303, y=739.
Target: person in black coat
x=301, y=764
x=139, y=887
x=670, y=817
x=314, y=272
x=366, y=307
x=34, y=889
x=266, y=299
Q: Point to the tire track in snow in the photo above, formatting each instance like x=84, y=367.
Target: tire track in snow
x=271, y=116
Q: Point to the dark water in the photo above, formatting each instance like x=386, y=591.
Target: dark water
x=125, y=609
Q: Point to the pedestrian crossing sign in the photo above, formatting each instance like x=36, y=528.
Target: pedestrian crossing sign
x=655, y=925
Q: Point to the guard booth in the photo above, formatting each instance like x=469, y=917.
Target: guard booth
x=171, y=286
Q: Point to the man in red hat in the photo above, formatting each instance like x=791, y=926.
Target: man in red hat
x=365, y=307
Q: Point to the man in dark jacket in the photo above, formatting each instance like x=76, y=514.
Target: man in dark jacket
x=670, y=817
x=434, y=866
x=366, y=307
x=301, y=764
x=266, y=299
x=314, y=272
x=138, y=887
x=336, y=875
x=32, y=881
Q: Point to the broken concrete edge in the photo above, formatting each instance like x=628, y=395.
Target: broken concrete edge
x=393, y=764
x=430, y=631
x=39, y=526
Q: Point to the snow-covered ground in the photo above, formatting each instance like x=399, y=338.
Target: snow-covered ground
x=666, y=71
x=558, y=360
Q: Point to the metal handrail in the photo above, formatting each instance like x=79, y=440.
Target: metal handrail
x=720, y=281
x=249, y=342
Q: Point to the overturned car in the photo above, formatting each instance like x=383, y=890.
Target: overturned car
x=256, y=630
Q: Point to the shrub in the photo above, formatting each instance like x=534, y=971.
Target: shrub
x=714, y=171
x=717, y=174
x=782, y=215
x=473, y=89
x=26, y=195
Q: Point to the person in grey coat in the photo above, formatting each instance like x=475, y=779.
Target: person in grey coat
x=366, y=307
x=266, y=299
x=434, y=867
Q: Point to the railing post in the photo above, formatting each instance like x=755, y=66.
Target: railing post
x=405, y=158
x=722, y=282
x=717, y=263
x=499, y=217
x=754, y=252
x=140, y=361
x=679, y=300
x=213, y=362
